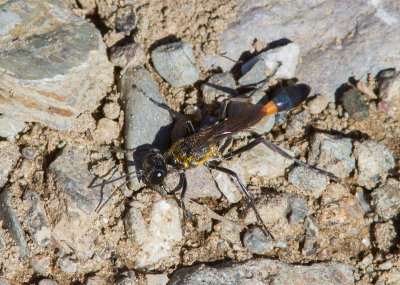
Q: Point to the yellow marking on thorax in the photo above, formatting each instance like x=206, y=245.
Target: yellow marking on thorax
x=191, y=161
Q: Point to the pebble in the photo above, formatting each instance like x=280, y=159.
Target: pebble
x=157, y=279
x=41, y=264
x=95, y=280
x=107, y=130
x=142, y=129
x=262, y=162
x=200, y=183
x=124, y=20
x=47, y=73
x=175, y=62
x=386, y=199
x=10, y=222
x=296, y=124
x=317, y=104
x=354, y=104
x=10, y=127
x=385, y=235
x=70, y=170
x=127, y=56
x=36, y=219
x=361, y=197
x=255, y=240
x=366, y=261
x=332, y=153
x=67, y=265
x=218, y=87
x=9, y=155
x=255, y=74
x=159, y=239
x=287, y=55
x=374, y=161
x=259, y=271
x=29, y=152
x=47, y=282
x=111, y=110
x=310, y=182
x=389, y=90
x=327, y=68
x=297, y=209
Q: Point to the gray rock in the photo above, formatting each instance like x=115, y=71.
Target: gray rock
x=158, y=240
x=146, y=124
x=390, y=277
x=175, y=62
x=29, y=152
x=36, y=219
x=219, y=87
x=297, y=209
x=310, y=182
x=265, y=271
x=332, y=153
x=10, y=127
x=157, y=279
x=354, y=104
x=255, y=240
x=361, y=197
x=329, y=56
x=286, y=55
x=386, y=199
x=127, y=56
x=67, y=265
x=385, y=235
x=41, y=264
x=12, y=224
x=373, y=162
x=48, y=72
x=389, y=91
x=3, y=282
x=200, y=183
x=296, y=124
x=255, y=74
x=70, y=169
x=9, y=154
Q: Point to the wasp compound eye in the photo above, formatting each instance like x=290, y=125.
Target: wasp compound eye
x=156, y=176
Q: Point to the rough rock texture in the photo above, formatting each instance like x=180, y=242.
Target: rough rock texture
x=47, y=60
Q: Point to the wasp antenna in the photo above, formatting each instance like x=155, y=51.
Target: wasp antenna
x=101, y=206
x=129, y=174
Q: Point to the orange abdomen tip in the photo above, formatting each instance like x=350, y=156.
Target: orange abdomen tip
x=270, y=108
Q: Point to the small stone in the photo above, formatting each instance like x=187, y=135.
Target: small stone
x=256, y=74
x=12, y=224
x=9, y=154
x=157, y=279
x=111, y=110
x=107, y=130
x=389, y=90
x=200, y=183
x=157, y=241
x=228, y=231
x=29, y=152
x=127, y=56
x=297, y=209
x=360, y=195
x=218, y=87
x=385, y=234
x=141, y=128
x=386, y=199
x=262, y=270
x=318, y=104
x=332, y=153
x=41, y=264
x=255, y=240
x=125, y=19
x=296, y=124
x=37, y=220
x=309, y=181
x=175, y=62
x=390, y=277
x=354, y=104
x=374, y=161
x=47, y=74
x=47, y=282
x=67, y=265
x=287, y=55
x=366, y=261
x=10, y=127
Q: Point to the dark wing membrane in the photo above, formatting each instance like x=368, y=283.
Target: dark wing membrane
x=246, y=118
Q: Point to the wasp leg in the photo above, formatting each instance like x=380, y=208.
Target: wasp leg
x=265, y=230
x=182, y=202
x=169, y=109
x=277, y=149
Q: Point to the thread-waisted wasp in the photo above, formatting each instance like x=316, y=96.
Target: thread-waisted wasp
x=208, y=145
